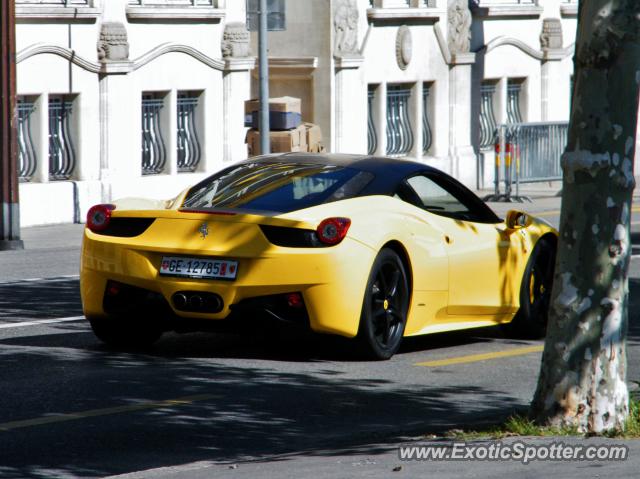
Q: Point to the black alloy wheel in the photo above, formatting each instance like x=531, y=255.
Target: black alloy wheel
x=385, y=307
x=535, y=293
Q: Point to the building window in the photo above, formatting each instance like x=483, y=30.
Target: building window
x=427, y=137
x=514, y=87
x=487, y=115
x=27, y=158
x=399, y=129
x=62, y=154
x=175, y=3
x=58, y=9
x=372, y=134
x=57, y=2
x=154, y=151
x=189, y=149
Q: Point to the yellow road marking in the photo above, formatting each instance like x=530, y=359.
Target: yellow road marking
x=634, y=209
x=473, y=358
x=57, y=418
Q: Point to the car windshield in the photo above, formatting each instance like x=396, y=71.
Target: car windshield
x=276, y=187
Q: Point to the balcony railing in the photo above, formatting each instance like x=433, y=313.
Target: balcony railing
x=399, y=129
x=62, y=154
x=154, y=151
x=513, y=102
x=487, y=115
x=27, y=158
x=189, y=149
x=427, y=137
x=372, y=134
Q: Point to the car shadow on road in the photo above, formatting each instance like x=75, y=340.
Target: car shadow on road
x=246, y=410
x=243, y=408
x=39, y=299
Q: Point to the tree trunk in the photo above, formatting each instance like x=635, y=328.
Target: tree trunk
x=582, y=379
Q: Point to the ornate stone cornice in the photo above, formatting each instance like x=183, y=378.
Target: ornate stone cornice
x=558, y=54
x=346, y=62
x=129, y=66
x=163, y=49
x=66, y=53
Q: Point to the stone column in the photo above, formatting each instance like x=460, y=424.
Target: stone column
x=350, y=106
x=117, y=107
x=461, y=154
x=555, y=83
x=416, y=119
x=41, y=137
x=462, y=158
x=236, y=89
x=380, y=118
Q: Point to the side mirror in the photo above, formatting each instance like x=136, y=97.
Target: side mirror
x=517, y=219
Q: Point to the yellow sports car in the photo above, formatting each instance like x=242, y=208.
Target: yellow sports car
x=363, y=247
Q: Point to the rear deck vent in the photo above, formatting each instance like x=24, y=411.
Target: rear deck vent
x=291, y=237
x=126, y=227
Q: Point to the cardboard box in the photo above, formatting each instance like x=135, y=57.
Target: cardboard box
x=284, y=113
x=314, y=138
x=278, y=120
x=294, y=140
x=282, y=104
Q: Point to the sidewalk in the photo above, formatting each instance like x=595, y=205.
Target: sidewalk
x=49, y=251
x=381, y=461
x=54, y=250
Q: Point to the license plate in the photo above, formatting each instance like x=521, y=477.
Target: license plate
x=198, y=267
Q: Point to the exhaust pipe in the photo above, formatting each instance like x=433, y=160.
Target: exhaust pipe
x=198, y=302
x=179, y=300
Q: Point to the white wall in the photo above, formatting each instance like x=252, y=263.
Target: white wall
x=107, y=105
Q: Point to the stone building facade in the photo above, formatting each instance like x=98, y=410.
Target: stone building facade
x=425, y=79
x=144, y=97
x=122, y=98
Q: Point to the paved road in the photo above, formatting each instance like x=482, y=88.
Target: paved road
x=205, y=405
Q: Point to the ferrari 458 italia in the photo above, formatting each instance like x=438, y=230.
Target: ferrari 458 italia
x=369, y=248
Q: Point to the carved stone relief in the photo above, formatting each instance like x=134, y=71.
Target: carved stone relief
x=113, y=44
x=404, y=47
x=551, y=35
x=235, y=40
x=459, y=26
x=345, y=24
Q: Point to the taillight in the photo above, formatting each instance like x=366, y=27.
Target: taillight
x=99, y=216
x=333, y=230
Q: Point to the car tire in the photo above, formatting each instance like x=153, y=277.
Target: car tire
x=125, y=333
x=384, y=308
x=530, y=322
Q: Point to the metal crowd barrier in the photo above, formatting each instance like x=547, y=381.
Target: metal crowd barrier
x=527, y=153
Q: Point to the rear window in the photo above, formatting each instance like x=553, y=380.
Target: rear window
x=277, y=187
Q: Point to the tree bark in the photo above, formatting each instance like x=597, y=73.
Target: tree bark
x=582, y=379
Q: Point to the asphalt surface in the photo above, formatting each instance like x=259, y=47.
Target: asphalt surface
x=211, y=405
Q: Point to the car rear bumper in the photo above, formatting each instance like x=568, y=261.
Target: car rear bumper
x=331, y=282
